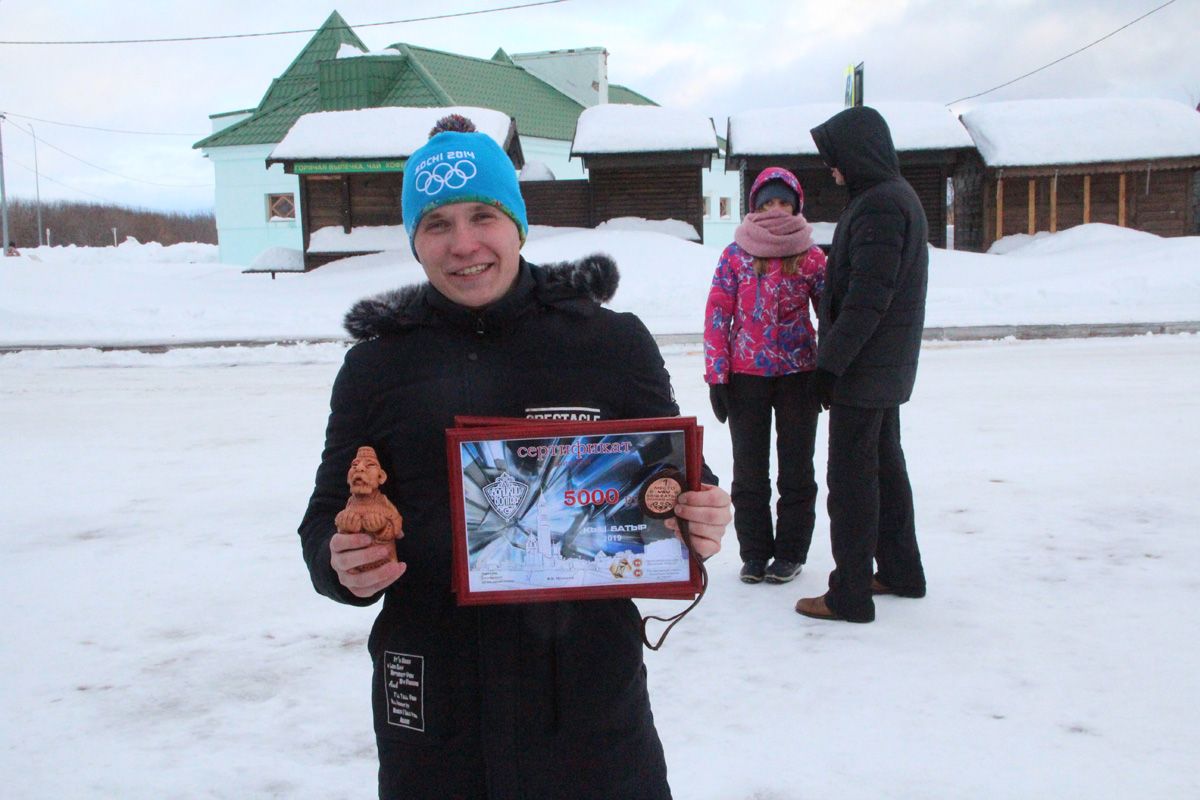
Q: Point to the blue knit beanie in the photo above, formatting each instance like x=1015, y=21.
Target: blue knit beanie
x=460, y=167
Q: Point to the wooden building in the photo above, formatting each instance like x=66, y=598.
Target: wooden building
x=1046, y=165
x=642, y=161
x=930, y=142
x=351, y=169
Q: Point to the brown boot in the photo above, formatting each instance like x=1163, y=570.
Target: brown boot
x=816, y=608
x=879, y=587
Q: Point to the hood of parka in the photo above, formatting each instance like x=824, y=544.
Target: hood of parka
x=858, y=142
x=572, y=285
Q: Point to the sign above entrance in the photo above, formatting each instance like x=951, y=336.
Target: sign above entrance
x=326, y=167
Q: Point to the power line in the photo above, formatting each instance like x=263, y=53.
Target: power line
x=94, y=128
x=289, y=33
x=1064, y=58
x=109, y=171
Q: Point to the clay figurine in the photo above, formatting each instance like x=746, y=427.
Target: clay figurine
x=368, y=510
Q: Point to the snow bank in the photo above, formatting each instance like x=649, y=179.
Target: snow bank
x=145, y=293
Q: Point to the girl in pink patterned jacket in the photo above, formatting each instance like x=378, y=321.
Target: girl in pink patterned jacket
x=759, y=350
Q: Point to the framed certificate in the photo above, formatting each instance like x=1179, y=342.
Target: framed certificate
x=570, y=510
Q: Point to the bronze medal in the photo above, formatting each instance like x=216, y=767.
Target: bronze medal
x=659, y=493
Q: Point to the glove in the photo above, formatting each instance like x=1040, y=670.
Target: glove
x=718, y=395
x=820, y=387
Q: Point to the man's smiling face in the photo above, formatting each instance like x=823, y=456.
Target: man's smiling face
x=470, y=252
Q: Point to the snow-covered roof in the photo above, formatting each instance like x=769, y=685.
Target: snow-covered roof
x=620, y=128
x=780, y=131
x=1083, y=131
x=393, y=132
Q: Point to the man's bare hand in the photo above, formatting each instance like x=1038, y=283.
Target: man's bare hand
x=707, y=513
x=350, y=550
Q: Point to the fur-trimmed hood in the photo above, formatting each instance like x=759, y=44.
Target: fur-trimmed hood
x=579, y=285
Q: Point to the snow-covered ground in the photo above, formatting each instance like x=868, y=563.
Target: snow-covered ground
x=160, y=637
x=147, y=293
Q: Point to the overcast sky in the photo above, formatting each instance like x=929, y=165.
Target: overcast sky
x=699, y=55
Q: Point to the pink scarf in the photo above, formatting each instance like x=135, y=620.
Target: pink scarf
x=774, y=234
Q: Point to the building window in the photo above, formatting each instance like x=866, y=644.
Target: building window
x=281, y=206
x=707, y=206
x=725, y=206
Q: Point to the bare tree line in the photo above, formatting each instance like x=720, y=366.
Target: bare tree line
x=91, y=224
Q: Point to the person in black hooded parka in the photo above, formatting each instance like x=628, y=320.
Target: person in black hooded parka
x=872, y=315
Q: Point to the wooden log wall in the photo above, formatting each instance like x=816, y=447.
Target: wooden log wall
x=323, y=201
x=650, y=192
x=1168, y=209
x=929, y=181
x=375, y=198
x=1158, y=202
x=558, y=203
x=969, y=205
x=1193, y=224
x=347, y=201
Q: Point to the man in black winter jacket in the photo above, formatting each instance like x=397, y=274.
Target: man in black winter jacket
x=503, y=702
x=871, y=318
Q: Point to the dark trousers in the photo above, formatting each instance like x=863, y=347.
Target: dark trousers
x=752, y=399
x=870, y=510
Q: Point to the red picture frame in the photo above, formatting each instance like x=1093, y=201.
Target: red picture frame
x=521, y=537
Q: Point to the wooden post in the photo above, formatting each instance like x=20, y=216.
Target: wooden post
x=1121, y=202
x=1054, y=203
x=999, y=208
x=1032, y=206
x=1087, y=199
x=305, y=221
x=347, y=222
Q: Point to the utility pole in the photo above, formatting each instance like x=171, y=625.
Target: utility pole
x=37, y=186
x=3, y=196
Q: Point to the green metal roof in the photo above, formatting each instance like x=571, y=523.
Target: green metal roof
x=302, y=73
x=417, y=76
x=293, y=93
x=539, y=108
x=266, y=126
x=623, y=94
x=349, y=83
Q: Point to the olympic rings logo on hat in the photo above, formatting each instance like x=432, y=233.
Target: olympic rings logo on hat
x=445, y=176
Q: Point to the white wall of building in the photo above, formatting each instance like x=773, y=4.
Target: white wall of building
x=244, y=227
x=556, y=155
x=722, y=193
x=580, y=74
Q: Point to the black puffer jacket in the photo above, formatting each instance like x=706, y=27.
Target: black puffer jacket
x=872, y=313
x=545, y=700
